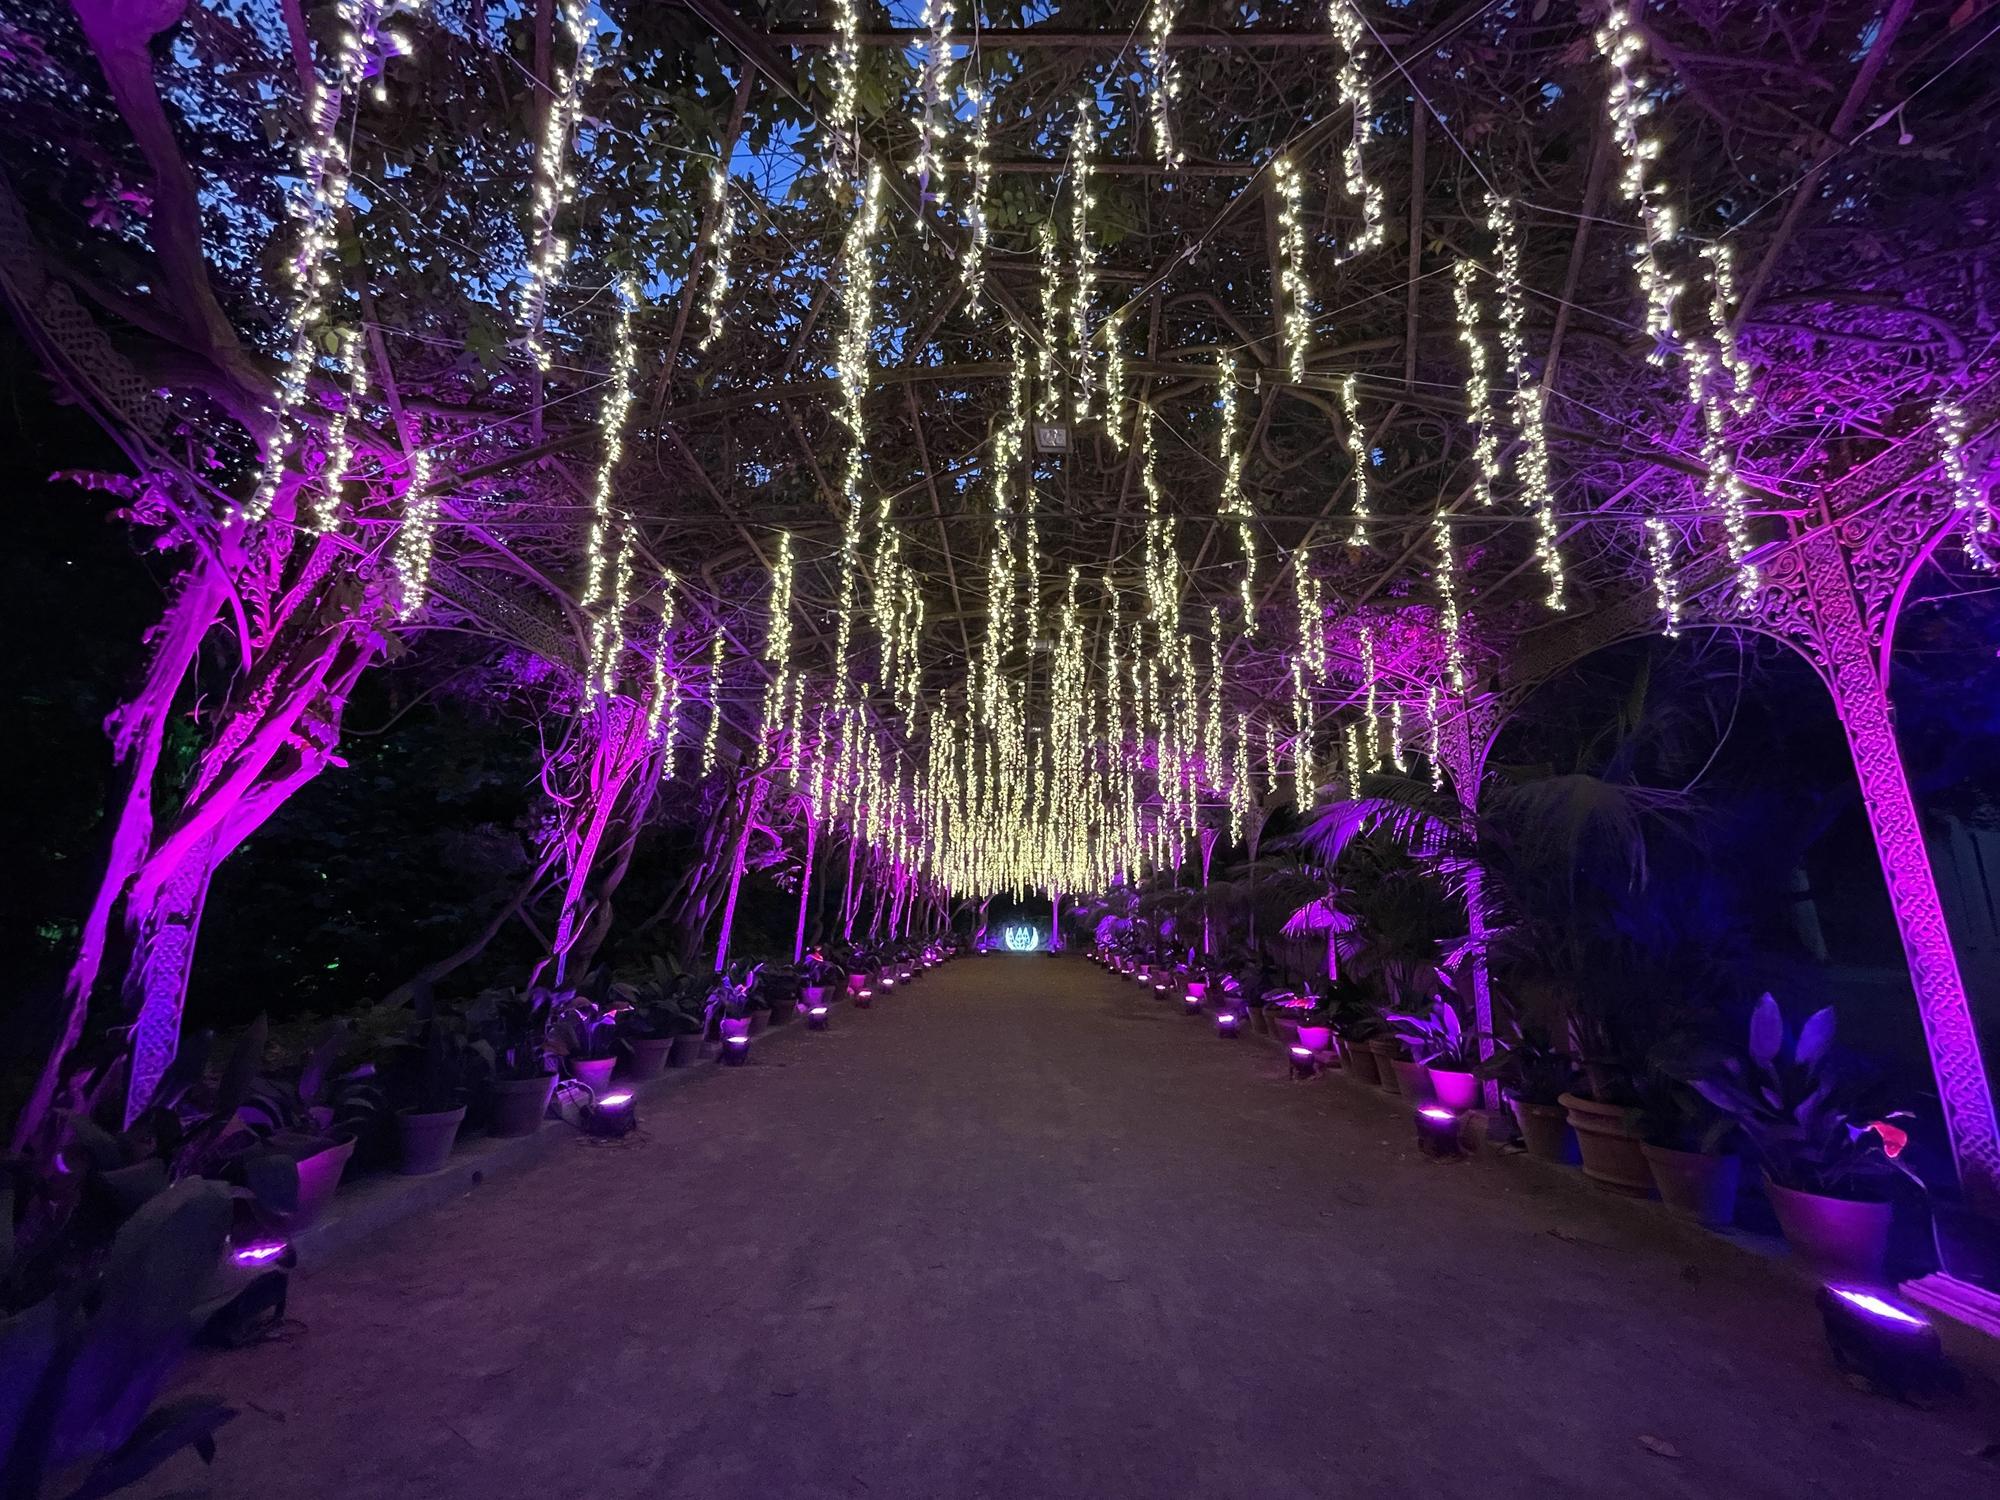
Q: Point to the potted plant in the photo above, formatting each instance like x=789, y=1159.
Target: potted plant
x=1612, y=1044
x=1445, y=1050
x=583, y=1034
x=316, y=1119
x=778, y=987
x=1827, y=1169
x=1315, y=1023
x=512, y=1038
x=1686, y=1142
x=1534, y=1074
x=662, y=1025
x=430, y=1082
x=824, y=980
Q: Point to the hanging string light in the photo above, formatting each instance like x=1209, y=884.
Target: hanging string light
x=1049, y=397
x=327, y=506
x=1304, y=783
x=932, y=123
x=1627, y=103
x=1666, y=580
x=979, y=178
x=1081, y=201
x=1721, y=302
x=721, y=239
x=1166, y=80
x=1948, y=418
x=1235, y=504
x=1357, y=452
x=1721, y=486
x=778, y=647
x=1294, y=291
x=555, y=183
x=1435, y=752
x=414, y=537
x=605, y=638
x=845, y=116
x=1396, y=757
x=1478, y=388
x=1240, y=788
x=664, y=699
x=316, y=205
x=1351, y=31
x=1115, y=384
x=851, y=367
x=1353, y=759
x=1371, y=686
x=712, y=733
x=1532, y=464
x=1310, y=603
x=1450, y=622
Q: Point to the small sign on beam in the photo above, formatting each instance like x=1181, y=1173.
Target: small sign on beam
x=1051, y=437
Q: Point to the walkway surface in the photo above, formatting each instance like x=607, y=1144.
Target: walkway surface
x=1023, y=1232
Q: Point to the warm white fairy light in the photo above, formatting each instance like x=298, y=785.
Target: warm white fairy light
x=979, y=179
x=1371, y=686
x=778, y=647
x=1310, y=604
x=1721, y=486
x=1478, y=386
x=1357, y=452
x=714, y=730
x=1240, y=788
x=928, y=167
x=1235, y=505
x=1295, y=324
x=1948, y=417
x=1721, y=307
x=663, y=700
x=555, y=183
x=1435, y=728
x=1081, y=201
x=605, y=638
x=1396, y=757
x=851, y=367
x=1666, y=581
x=1352, y=741
x=414, y=537
x=1048, y=393
x=1115, y=379
x=316, y=205
x=1351, y=32
x=846, y=79
x=1304, y=782
x=1450, y=623
x=1165, y=84
x=721, y=239
x=1628, y=102
x=326, y=509
x=1531, y=464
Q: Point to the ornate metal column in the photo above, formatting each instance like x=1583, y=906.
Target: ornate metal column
x=1833, y=596
x=1462, y=745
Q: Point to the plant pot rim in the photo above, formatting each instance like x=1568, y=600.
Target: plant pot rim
x=1770, y=1181
x=1654, y=1149
x=520, y=1079
x=429, y=1114
x=1534, y=1104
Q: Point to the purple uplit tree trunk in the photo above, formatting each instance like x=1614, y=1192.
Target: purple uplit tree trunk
x=805, y=883
x=1465, y=742
x=613, y=776
x=752, y=799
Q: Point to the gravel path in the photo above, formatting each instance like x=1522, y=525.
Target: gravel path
x=1024, y=1232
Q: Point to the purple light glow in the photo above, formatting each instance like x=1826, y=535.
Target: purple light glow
x=257, y=1254
x=1878, y=1307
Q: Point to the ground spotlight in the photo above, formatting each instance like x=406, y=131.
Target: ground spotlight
x=258, y=1254
x=1886, y=1343
x=1304, y=1064
x=816, y=1018
x=1190, y=1003
x=1437, y=1131
x=863, y=999
x=736, y=1050
x=1227, y=1023
x=615, y=1114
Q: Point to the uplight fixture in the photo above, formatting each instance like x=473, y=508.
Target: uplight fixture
x=1437, y=1132
x=1885, y=1342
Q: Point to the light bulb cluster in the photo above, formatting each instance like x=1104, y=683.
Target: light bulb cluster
x=1048, y=369
x=1666, y=575
x=1478, y=387
x=1081, y=200
x=1295, y=319
x=663, y=703
x=1357, y=453
x=1451, y=622
x=555, y=182
x=1629, y=101
x=845, y=115
x=721, y=240
x=711, y=736
x=1310, y=604
x=327, y=500
x=1235, y=504
x=604, y=557
x=934, y=118
x=317, y=204
x=1949, y=421
x=1116, y=382
x=1531, y=464
x=1164, y=88
x=1351, y=32
x=414, y=538
x=780, y=687
x=979, y=180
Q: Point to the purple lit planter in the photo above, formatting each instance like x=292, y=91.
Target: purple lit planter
x=1544, y=1129
x=1696, y=1185
x=320, y=1164
x=686, y=1050
x=1608, y=1137
x=520, y=1104
x=1358, y=1061
x=1839, y=1237
x=1453, y=1089
x=647, y=1056
x=594, y=1073
x=1319, y=1038
x=427, y=1139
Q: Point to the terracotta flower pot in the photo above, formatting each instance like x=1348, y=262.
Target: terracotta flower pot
x=647, y=1056
x=1453, y=1089
x=856, y=983
x=1384, y=1054
x=685, y=1051
x=1697, y=1185
x=735, y=1026
x=427, y=1139
x=1413, y=1080
x=1544, y=1127
x=1197, y=989
x=1319, y=1038
x=1839, y=1237
x=521, y=1104
x=1359, y=1060
x=594, y=1073
x=1608, y=1137
x=319, y=1177
x=815, y=994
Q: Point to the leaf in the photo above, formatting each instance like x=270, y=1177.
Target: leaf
x=1659, y=1446
x=1815, y=1037
x=1767, y=1031
x=191, y=1422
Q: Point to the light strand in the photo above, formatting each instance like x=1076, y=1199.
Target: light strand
x=713, y=732
x=1165, y=83
x=979, y=178
x=1235, y=505
x=1350, y=30
x=1357, y=452
x=1478, y=386
x=555, y=182
x=1295, y=322
x=414, y=538
x=1948, y=417
x=327, y=503
x=1081, y=201
x=1531, y=465
x=721, y=239
x=605, y=638
x=928, y=167
x=662, y=701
